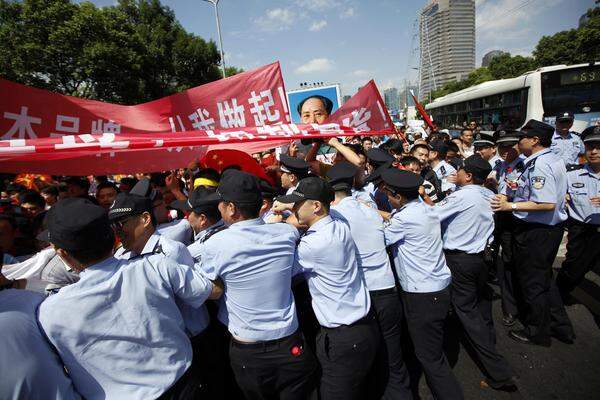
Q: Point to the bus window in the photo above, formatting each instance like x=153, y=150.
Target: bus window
x=576, y=90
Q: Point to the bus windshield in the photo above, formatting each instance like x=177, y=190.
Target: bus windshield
x=575, y=89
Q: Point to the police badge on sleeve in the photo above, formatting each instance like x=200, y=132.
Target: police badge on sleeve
x=537, y=182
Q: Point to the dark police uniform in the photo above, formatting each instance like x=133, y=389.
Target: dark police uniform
x=367, y=228
x=414, y=235
x=467, y=227
x=536, y=239
x=583, y=239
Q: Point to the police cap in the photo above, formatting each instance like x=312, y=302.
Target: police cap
x=199, y=200
x=341, y=176
x=565, y=116
x=293, y=165
x=127, y=204
x=377, y=156
x=591, y=134
x=237, y=187
x=401, y=181
x=144, y=188
x=76, y=224
x=477, y=166
x=311, y=188
x=267, y=191
x=507, y=136
x=537, y=128
x=375, y=176
x=484, y=140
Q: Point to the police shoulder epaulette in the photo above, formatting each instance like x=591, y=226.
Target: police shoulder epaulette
x=575, y=133
x=574, y=167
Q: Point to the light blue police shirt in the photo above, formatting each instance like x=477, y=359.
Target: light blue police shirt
x=119, y=330
x=495, y=161
x=442, y=171
x=179, y=230
x=415, y=235
x=30, y=368
x=196, y=319
x=366, y=228
x=567, y=147
x=583, y=185
x=255, y=262
x=366, y=195
x=467, y=219
x=506, y=173
x=200, y=236
x=327, y=256
x=543, y=181
x=8, y=259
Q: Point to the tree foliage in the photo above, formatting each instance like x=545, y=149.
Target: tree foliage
x=129, y=53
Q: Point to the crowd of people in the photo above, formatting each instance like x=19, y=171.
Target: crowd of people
x=334, y=279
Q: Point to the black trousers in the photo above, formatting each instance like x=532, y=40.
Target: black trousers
x=535, y=247
x=390, y=376
x=425, y=316
x=278, y=369
x=346, y=354
x=505, y=263
x=468, y=288
x=583, y=253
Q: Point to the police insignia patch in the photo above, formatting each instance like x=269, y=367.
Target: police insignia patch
x=441, y=203
x=578, y=185
x=537, y=182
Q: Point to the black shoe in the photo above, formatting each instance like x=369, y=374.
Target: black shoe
x=509, y=385
x=509, y=319
x=523, y=337
x=567, y=339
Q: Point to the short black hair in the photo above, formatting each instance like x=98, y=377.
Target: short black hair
x=102, y=248
x=419, y=146
x=32, y=197
x=367, y=138
x=158, y=179
x=211, y=212
x=452, y=146
x=545, y=141
x=51, y=190
x=395, y=145
x=328, y=104
x=249, y=210
x=106, y=185
x=129, y=181
x=465, y=129
x=406, y=161
x=208, y=173
x=82, y=182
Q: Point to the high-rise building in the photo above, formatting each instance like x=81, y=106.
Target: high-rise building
x=487, y=58
x=390, y=97
x=447, y=43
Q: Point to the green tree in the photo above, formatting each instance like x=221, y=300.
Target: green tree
x=129, y=53
x=506, y=66
x=476, y=77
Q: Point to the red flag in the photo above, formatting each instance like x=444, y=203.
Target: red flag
x=423, y=112
x=221, y=159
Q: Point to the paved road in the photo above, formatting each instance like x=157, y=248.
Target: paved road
x=561, y=372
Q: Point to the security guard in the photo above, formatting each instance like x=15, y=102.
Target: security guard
x=415, y=238
x=292, y=169
x=106, y=326
x=507, y=174
x=485, y=146
x=467, y=228
x=178, y=230
x=326, y=255
x=584, y=215
x=443, y=170
x=565, y=143
x=366, y=227
x=539, y=211
x=255, y=261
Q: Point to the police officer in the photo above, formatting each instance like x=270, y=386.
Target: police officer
x=507, y=174
x=443, y=170
x=539, y=210
x=255, y=260
x=583, y=238
x=414, y=235
x=326, y=255
x=178, y=230
x=366, y=227
x=293, y=169
x=268, y=193
x=467, y=228
x=485, y=146
x=106, y=326
x=376, y=158
x=565, y=143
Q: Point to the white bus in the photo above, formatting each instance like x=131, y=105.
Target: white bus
x=539, y=94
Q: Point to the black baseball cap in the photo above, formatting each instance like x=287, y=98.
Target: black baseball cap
x=293, y=165
x=199, y=200
x=237, y=187
x=144, y=188
x=311, y=188
x=375, y=176
x=127, y=204
x=591, y=134
x=377, y=156
x=565, y=116
x=401, y=181
x=76, y=224
x=537, y=128
x=267, y=190
x=484, y=140
x=477, y=166
x=341, y=175
x=507, y=136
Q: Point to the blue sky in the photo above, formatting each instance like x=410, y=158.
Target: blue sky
x=352, y=41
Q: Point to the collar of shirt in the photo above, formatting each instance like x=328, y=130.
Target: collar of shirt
x=104, y=265
x=538, y=154
x=320, y=223
x=247, y=222
x=410, y=204
x=591, y=172
x=150, y=244
x=200, y=235
x=559, y=136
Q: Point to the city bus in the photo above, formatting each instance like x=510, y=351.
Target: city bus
x=509, y=103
